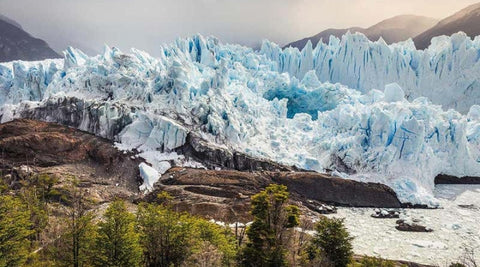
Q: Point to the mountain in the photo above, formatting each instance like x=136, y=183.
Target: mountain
x=399, y=28
x=11, y=21
x=16, y=44
x=392, y=30
x=466, y=20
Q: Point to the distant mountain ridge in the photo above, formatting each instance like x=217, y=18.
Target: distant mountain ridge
x=16, y=44
x=466, y=20
x=392, y=30
x=324, y=36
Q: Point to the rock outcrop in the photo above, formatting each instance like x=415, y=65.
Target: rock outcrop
x=213, y=156
x=227, y=192
x=385, y=214
x=66, y=152
x=337, y=191
x=449, y=179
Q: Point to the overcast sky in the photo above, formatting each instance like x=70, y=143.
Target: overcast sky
x=146, y=24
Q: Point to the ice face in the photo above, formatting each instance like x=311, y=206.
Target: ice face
x=447, y=72
x=242, y=100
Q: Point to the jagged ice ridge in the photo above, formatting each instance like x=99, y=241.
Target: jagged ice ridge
x=447, y=72
x=269, y=104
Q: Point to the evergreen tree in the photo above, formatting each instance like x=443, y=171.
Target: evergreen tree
x=15, y=229
x=117, y=243
x=332, y=242
x=268, y=234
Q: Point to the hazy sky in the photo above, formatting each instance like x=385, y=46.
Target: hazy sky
x=146, y=24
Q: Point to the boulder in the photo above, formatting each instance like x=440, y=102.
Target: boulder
x=411, y=226
x=386, y=214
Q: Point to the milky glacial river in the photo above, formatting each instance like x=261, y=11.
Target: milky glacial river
x=456, y=226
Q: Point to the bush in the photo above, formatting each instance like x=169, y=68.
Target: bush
x=375, y=262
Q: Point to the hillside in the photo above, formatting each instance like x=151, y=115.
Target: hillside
x=466, y=20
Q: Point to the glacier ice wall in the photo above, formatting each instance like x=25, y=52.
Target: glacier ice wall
x=448, y=72
x=241, y=100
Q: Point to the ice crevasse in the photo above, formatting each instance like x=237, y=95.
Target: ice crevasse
x=248, y=101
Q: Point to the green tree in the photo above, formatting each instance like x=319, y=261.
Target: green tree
x=331, y=241
x=15, y=229
x=117, y=243
x=76, y=245
x=36, y=191
x=3, y=185
x=269, y=233
x=172, y=238
x=38, y=211
x=210, y=235
x=166, y=235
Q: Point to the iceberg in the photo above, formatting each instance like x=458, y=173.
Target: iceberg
x=274, y=104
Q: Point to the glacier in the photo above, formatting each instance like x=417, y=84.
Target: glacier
x=447, y=72
x=389, y=126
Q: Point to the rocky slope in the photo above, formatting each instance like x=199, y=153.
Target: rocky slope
x=466, y=20
x=392, y=30
x=30, y=147
x=16, y=44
